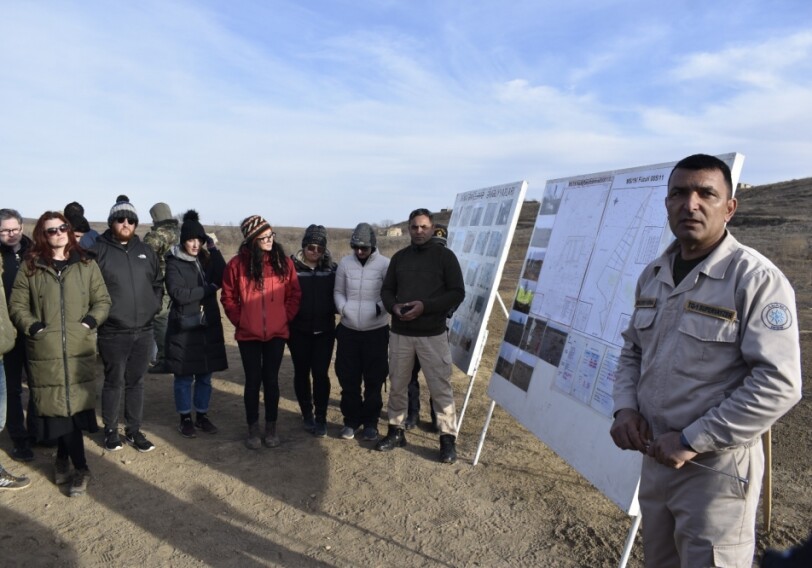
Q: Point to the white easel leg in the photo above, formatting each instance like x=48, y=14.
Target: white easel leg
x=627, y=549
x=484, y=432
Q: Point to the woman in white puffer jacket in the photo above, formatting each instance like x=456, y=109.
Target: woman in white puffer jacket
x=362, y=337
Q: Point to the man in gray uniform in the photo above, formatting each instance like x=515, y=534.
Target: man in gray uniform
x=711, y=360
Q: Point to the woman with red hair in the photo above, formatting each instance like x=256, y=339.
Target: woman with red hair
x=58, y=300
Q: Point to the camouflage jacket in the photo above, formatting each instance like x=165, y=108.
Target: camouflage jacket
x=162, y=237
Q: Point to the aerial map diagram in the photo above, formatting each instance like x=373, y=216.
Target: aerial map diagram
x=558, y=363
x=632, y=230
x=602, y=239
x=569, y=251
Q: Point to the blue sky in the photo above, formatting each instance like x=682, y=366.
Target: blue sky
x=337, y=112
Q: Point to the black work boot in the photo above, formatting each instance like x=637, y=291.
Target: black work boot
x=448, y=448
x=411, y=422
x=395, y=438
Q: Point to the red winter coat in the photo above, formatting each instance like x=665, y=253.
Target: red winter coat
x=259, y=315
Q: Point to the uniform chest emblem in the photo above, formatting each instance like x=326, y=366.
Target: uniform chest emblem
x=776, y=316
x=717, y=312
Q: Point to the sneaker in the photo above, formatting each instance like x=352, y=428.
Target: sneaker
x=138, y=441
x=186, y=428
x=112, y=441
x=203, y=423
x=22, y=453
x=370, y=434
x=309, y=424
x=61, y=471
x=348, y=432
x=79, y=484
x=12, y=482
x=320, y=429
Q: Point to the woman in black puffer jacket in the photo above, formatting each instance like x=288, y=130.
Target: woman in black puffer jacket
x=194, y=349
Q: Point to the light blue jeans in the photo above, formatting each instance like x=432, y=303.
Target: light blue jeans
x=183, y=393
x=2, y=396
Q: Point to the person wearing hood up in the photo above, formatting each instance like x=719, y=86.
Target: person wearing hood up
x=362, y=335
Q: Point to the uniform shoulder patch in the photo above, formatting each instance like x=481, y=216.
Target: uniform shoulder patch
x=776, y=316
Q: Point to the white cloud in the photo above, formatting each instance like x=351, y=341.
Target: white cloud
x=307, y=116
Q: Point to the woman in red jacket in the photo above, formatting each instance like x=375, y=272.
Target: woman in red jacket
x=260, y=296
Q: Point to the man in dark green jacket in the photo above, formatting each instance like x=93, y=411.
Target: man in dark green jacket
x=422, y=286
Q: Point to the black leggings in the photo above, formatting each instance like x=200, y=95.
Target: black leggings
x=72, y=445
x=260, y=362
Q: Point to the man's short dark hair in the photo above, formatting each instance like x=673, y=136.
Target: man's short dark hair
x=421, y=212
x=705, y=162
x=6, y=214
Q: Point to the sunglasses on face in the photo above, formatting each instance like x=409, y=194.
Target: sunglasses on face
x=11, y=231
x=362, y=249
x=51, y=231
x=267, y=238
x=122, y=220
x=315, y=248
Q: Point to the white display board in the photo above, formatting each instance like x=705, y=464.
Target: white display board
x=480, y=232
x=555, y=371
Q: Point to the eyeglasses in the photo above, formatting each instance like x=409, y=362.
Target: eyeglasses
x=11, y=231
x=63, y=228
x=356, y=247
x=314, y=248
x=267, y=238
x=122, y=220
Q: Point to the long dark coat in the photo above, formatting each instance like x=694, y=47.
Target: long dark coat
x=61, y=351
x=189, y=285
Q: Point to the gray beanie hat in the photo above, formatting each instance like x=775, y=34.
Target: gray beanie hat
x=363, y=236
x=122, y=208
x=315, y=235
x=160, y=212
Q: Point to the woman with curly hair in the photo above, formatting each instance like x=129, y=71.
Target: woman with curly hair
x=260, y=296
x=58, y=300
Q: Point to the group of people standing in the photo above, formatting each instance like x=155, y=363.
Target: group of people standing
x=151, y=305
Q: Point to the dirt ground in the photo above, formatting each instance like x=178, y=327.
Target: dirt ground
x=208, y=501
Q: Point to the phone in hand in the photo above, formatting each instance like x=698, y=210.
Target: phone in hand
x=406, y=308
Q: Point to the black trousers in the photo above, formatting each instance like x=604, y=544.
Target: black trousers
x=72, y=445
x=260, y=362
x=311, y=354
x=362, y=358
x=21, y=429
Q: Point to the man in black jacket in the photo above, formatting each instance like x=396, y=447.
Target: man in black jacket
x=422, y=286
x=133, y=278
x=22, y=430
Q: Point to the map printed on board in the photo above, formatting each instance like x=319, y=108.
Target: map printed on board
x=556, y=367
x=580, y=276
x=480, y=232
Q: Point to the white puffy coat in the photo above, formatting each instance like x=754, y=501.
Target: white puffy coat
x=357, y=292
